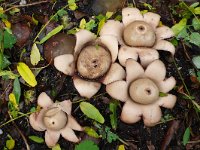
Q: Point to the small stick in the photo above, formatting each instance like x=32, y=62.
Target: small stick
x=20, y=132
x=22, y=135
x=31, y=4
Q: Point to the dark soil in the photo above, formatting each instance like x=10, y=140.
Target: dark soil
x=167, y=135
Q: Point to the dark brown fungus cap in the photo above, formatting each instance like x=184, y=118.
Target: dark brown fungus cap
x=59, y=44
x=103, y=6
x=22, y=33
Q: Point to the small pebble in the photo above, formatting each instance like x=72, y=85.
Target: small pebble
x=1, y=132
x=22, y=2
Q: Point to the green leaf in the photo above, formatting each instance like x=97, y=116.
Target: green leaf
x=26, y=74
x=65, y=21
x=35, y=55
x=35, y=21
x=196, y=61
x=3, y=16
x=17, y=90
x=82, y=24
x=100, y=25
x=113, y=116
x=9, y=39
x=197, y=106
x=109, y=15
x=36, y=139
x=91, y=112
x=90, y=25
x=177, y=28
x=50, y=34
x=150, y=7
x=118, y=18
x=56, y=147
x=110, y=135
x=13, y=101
x=4, y=62
x=196, y=23
x=87, y=145
x=91, y=132
x=1, y=59
x=161, y=94
x=29, y=96
x=72, y=5
x=197, y=10
x=14, y=11
x=174, y=41
x=186, y=136
x=62, y=12
x=183, y=34
x=33, y=109
x=194, y=4
x=121, y=147
x=8, y=74
x=10, y=144
x=195, y=38
x=100, y=17
x=166, y=118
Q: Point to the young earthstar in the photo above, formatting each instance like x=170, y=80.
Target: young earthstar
x=139, y=36
x=140, y=92
x=55, y=119
x=94, y=60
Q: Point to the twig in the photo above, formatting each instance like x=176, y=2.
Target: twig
x=19, y=131
x=47, y=23
x=22, y=135
x=180, y=75
x=134, y=3
x=31, y=4
x=188, y=95
x=6, y=88
x=194, y=142
x=11, y=120
x=10, y=4
x=124, y=142
x=161, y=122
x=185, y=50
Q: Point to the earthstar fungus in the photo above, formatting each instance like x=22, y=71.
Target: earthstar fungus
x=94, y=60
x=55, y=119
x=139, y=35
x=140, y=92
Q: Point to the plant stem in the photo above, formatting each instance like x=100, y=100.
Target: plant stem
x=195, y=104
x=20, y=132
x=47, y=23
x=190, y=10
x=9, y=121
x=180, y=75
x=125, y=143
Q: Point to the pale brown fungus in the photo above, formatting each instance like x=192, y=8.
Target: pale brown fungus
x=93, y=62
x=139, y=34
